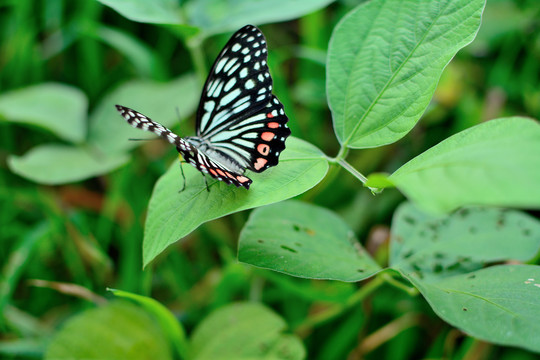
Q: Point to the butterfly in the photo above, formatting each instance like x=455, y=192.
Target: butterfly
x=240, y=124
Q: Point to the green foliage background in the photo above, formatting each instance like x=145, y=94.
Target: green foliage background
x=67, y=236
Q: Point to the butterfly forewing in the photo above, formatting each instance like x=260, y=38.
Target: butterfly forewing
x=238, y=84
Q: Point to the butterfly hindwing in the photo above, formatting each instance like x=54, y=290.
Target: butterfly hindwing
x=257, y=141
x=206, y=165
x=239, y=82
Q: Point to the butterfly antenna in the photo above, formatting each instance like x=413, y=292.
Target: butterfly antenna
x=137, y=139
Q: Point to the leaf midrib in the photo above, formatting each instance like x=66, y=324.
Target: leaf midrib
x=391, y=79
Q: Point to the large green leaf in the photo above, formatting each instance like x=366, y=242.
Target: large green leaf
x=58, y=108
x=119, y=330
x=244, y=331
x=497, y=304
x=218, y=16
x=173, y=214
x=54, y=164
x=304, y=240
x=155, y=11
x=109, y=131
x=439, y=246
x=168, y=323
x=384, y=61
x=494, y=163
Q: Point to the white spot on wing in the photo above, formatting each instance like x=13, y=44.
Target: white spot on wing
x=236, y=47
x=229, y=97
x=243, y=73
x=229, y=84
x=220, y=64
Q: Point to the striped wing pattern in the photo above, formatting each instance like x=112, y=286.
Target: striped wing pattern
x=240, y=123
x=190, y=153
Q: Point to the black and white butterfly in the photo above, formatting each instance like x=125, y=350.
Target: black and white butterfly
x=240, y=123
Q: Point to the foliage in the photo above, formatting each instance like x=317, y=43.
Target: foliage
x=76, y=204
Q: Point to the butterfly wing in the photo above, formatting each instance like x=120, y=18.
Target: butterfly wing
x=238, y=84
x=140, y=121
x=189, y=152
x=257, y=141
x=238, y=115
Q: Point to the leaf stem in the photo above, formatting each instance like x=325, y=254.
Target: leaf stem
x=357, y=174
x=194, y=45
x=398, y=284
x=337, y=309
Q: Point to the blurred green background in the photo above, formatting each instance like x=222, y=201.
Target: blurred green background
x=88, y=233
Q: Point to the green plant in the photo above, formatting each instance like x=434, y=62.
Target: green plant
x=454, y=243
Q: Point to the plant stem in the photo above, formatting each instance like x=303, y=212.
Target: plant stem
x=194, y=45
x=356, y=174
x=336, y=310
x=390, y=280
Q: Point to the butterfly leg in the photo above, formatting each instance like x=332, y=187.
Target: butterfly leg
x=206, y=182
x=183, y=177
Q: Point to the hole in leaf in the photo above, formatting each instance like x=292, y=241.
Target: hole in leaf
x=409, y=220
x=464, y=309
x=464, y=212
x=260, y=241
x=288, y=249
x=360, y=270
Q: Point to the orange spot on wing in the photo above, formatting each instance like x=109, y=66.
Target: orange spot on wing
x=213, y=172
x=269, y=115
x=263, y=149
x=267, y=136
x=260, y=163
x=220, y=172
x=273, y=125
x=242, y=179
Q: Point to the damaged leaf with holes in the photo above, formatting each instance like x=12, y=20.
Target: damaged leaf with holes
x=304, y=240
x=448, y=258
x=425, y=245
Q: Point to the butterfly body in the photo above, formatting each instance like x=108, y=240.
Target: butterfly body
x=240, y=123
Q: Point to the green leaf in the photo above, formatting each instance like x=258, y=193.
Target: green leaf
x=494, y=163
x=426, y=246
x=145, y=60
x=55, y=164
x=244, y=331
x=384, y=61
x=154, y=12
x=498, y=304
x=119, y=330
x=304, y=240
x=219, y=16
x=173, y=214
x=159, y=101
x=58, y=108
x=168, y=323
